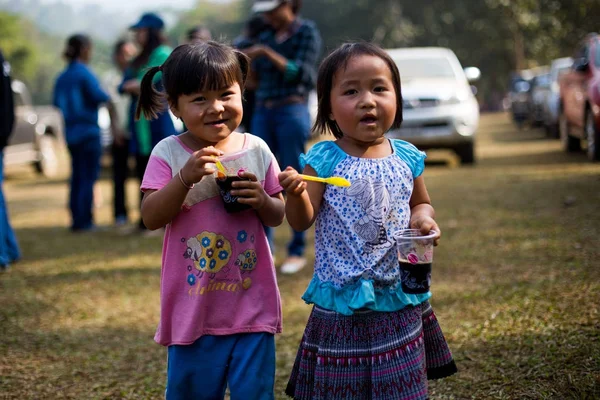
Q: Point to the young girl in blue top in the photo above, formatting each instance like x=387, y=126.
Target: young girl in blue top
x=365, y=337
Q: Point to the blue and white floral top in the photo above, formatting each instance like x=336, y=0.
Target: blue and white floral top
x=356, y=264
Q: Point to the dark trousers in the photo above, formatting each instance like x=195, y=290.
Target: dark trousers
x=9, y=248
x=141, y=162
x=85, y=167
x=285, y=129
x=120, y=158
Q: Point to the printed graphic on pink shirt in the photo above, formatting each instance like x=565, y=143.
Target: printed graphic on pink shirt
x=210, y=253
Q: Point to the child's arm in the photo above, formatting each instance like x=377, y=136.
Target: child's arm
x=270, y=209
x=304, y=198
x=422, y=213
x=159, y=207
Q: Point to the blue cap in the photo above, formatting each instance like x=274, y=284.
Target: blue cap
x=149, y=20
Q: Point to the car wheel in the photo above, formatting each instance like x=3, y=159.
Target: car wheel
x=569, y=143
x=592, y=134
x=466, y=153
x=47, y=164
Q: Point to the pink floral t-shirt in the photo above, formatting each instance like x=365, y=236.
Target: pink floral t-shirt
x=217, y=275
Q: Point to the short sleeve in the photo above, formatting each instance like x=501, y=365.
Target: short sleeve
x=323, y=157
x=158, y=172
x=271, y=166
x=413, y=157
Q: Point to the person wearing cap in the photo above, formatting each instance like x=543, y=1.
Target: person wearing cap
x=145, y=134
x=285, y=62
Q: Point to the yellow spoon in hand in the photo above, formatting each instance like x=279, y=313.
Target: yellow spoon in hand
x=334, y=180
x=220, y=167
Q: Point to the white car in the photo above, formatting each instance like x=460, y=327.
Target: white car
x=439, y=107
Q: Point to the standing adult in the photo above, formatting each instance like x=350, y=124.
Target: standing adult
x=78, y=95
x=154, y=52
x=9, y=248
x=123, y=52
x=252, y=30
x=285, y=62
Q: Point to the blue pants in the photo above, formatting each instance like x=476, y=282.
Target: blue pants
x=286, y=130
x=85, y=167
x=9, y=248
x=120, y=158
x=202, y=370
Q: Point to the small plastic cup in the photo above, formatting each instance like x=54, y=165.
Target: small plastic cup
x=230, y=201
x=415, y=256
x=234, y=165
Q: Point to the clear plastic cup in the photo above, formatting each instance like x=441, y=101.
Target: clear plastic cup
x=234, y=165
x=415, y=256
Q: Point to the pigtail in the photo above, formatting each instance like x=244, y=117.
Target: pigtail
x=244, y=62
x=150, y=100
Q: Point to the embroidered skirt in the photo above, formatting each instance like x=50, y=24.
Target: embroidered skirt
x=370, y=355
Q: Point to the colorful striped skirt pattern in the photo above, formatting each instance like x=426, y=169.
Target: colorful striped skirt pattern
x=370, y=355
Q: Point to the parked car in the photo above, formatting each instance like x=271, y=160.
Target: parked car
x=539, y=84
x=579, y=115
x=38, y=135
x=518, y=96
x=440, y=109
x=551, y=97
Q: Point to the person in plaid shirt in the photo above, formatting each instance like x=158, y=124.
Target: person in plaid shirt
x=285, y=63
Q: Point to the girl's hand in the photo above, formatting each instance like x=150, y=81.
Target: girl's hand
x=292, y=182
x=426, y=224
x=249, y=192
x=195, y=168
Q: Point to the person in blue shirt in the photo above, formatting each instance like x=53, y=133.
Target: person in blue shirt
x=9, y=247
x=78, y=94
x=285, y=63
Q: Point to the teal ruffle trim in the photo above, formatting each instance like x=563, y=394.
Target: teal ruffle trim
x=360, y=295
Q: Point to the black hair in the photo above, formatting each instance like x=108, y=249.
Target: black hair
x=75, y=46
x=296, y=6
x=191, y=68
x=338, y=60
x=155, y=39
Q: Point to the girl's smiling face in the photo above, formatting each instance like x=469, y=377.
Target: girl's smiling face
x=211, y=115
x=363, y=99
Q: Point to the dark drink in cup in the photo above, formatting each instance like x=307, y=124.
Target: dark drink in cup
x=415, y=256
x=230, y=201
x=416, y=278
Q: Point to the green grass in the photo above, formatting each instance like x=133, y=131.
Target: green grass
x=516, y=284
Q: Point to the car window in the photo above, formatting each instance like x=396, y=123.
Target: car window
x=411, y=68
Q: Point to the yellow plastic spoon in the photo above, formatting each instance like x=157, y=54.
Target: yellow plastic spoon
x=220, y=166
x=334, y=180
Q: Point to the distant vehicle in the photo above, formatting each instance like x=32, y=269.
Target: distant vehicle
x=551, y=97
x=440, y=109
x=518, y=97
x=38, y=135
x=579, y=110
x=539, y=85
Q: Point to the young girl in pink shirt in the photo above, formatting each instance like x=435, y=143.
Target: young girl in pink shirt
x=220, y=304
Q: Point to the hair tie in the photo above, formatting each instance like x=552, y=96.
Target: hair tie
x=160, y=68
